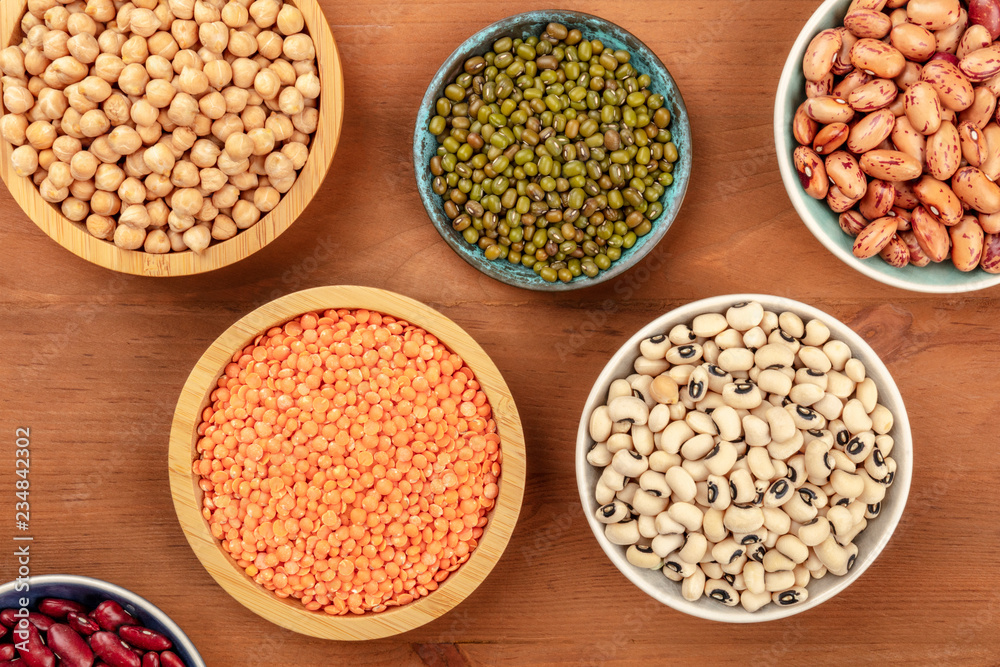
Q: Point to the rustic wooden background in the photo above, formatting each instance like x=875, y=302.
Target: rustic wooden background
x=93, y=361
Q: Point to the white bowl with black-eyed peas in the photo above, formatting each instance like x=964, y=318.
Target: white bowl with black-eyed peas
x=744, y=458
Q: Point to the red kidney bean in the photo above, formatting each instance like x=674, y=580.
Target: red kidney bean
x=59, y=609
x=144, y=638
x=82, y=623
x=3, y=630
x=110, y=616
x=16, y=662
x=40, y=621
x=69, y=646
x=7, y=618
x=37, y=654
x=170, y=659
x=151, y=660
x=113, y=650
x=7, y=652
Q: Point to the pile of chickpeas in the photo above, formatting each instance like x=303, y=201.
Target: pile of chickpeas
x=743, y=457
x=161, y=125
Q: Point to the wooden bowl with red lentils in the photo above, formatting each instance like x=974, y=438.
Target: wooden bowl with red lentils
x=347, y=462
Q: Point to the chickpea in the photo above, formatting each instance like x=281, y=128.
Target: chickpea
x=109, y=177
x=134, y=215
x=150, y=133
x=158, y=67
x=198, y=237
x=245, y=214
x=307, y=121
x=245, y=181
x=84, y=47
x=35, y=62
x=185, y=174
x=159, y=158
x=83, y=165
x=79, y=23
x=290, y=20
x=12, y=61
x=105, y=203
x=267, y=84
x=183, y=109
x=40, y=134
x=122, y=18
x=266, y=199
x=101, y=147
x=297, y=153
x=128, y=237
x=29, y=21
x=299, y=47
x=224, y=228
x=219, y=73
x=226, y=196
x=135, y=166
x=36, y=84
x=236, y=99
x=101, y=226
x=82, y=190
x=80, y=103
x=156, y=242
x=65, y=147
x=46, y=158
x=117, y=108
x=284, y=70
x=64, y=71
x=54, y=44
x=263, y=140
x=186, y=201
x=212, y=180
x=109, y=67
x=143, y=113
x=239, y=146
x=41, y=175
x=226, y=126
x=182, y=9
x=202, y=125
x=185, y=33
x=308, y=85
x=161, y=45
x=74, y=209
x=159, y=93
x=283, y=185
x=132, y=191
x=135, y=50
x=207, y=12
x=214, y=36
x=13, y=128
x=257, y=163
x=24, y=160
x=18, y=99
x=193, y=81
x=59, y=175
x=300, y=138
x=204, y=153
x=213, y=105
x=180, y=222
x=133, y=79
x=280, y=125
x=94, y=123
x=291, y=102
x=36, y=36
x=207, y=213
x=51, y=193
x=158, y=213
x=124, y=140
x=244, y=72
x=265, y=12
x=241, y=44
x=111, y=43
x=158, y=185
x=235, y=15
x=94, y=89
x=183, y=138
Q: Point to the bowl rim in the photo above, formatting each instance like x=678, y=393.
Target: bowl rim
x=74, y=237
x=175, y=632
x=886, y=386
x=438, y=219
x=798, y=197
x=291, y=614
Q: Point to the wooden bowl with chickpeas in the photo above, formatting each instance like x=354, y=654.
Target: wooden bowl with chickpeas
x=167, y=137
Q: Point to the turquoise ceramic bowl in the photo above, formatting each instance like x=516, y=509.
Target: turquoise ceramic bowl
x=941, y=278
x=533, y=23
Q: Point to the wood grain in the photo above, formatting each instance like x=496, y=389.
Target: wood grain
x=94, y=362
x=188, y=498
x=74, y=235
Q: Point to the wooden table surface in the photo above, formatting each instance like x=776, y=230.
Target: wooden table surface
x=93, y=361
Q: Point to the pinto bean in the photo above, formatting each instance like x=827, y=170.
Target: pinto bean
x=980, y=112
x=944, y=151
x=931, y=235
x=904, y=195
x=981, y=64
x=854, y=80
x=991, y=167
x=987, y=14
x=967, y=239
x=830, y=138
x=990, y=263
x=952, y=86
x=874, y=237
x=976, y=190
x=948, y=38
x=869, y=132
x=870, y=23
x=917, y=255
x=913, y=41
x=852, y=222
x=908, y=140
x=812, y=172
x=923, y=107
x=878, y=199
x=888, y=165
x=828, y=109
x=895, y=252
x=909, y=76
x=902, y=218
x=818, y=59
x=820, y=88
x=990, y=223
x=939, y=200
x=974, y=38
x=877, y=58
x=838, y=201
x=803, y=127
x=933, y=14
x=873, y=95
x=843, y=170
x=973, y=143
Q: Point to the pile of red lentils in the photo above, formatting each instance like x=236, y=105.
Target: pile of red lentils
x=349, y=460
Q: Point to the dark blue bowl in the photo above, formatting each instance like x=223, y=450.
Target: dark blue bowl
x=91, y=592
x=524, y=25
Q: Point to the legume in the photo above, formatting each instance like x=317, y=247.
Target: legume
x=554, y=153
x=348, y=460
x=759, y=477
x=148, y=97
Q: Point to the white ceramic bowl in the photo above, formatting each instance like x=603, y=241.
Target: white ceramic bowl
x=870, y=542
x=941, y=278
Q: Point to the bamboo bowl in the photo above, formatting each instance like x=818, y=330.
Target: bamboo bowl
x=290, y=613
x=74, y=236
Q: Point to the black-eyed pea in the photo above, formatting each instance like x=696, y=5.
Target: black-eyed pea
x=799, y=508
x=819, y=464
x=776, y=522
x=875, y=465
x=686, y=514
x=629, y=463
x=693, y=587
x=842, y=461
x=778, y=580
x=710, y=352
x=781, y=425
x=614, y=512
x=598, y=455
x=681, y=373
x=661, y=462
x=717, y=378
x=619, y=387
x=792, y=548
x=874, y=490
x=611, y=478
x=756, y=431
x=806, y=394
x=623, y=533
x=721, y=458
x=743, y=519
x=727, y=552
x=722, y=591
x=681, y=334
x=717, y=492
x=885, y=444
x=642, y=364
x=676, y=434
x=628, y=409
x=775, y=561
x=713, y=528
x=682, y=484
x=627, y=493
x=646, y=503
x=742, y=395
x=730, y=338
x=710, y=403
x=727, y=420
x=808, y=375
x=754, y=338
x=872, y=511
x=655, y=483
x=848, y=485
x=701, y=423
x=654, y=347
x=671, y=575
x=640, y=388
x=736, y=359
x=759, y=462
x=665, y=525
x=659, y=417
x=642, y=439
x=745, y=315
x=741, y=487
x=839, y=385
x=814, y=532
x=708, y=325
x=855, y=417
x=846, y=539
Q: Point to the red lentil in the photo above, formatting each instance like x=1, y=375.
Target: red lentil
x=348, y=460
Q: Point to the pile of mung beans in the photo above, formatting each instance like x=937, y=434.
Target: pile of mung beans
x=899, y=130
x=554, y=153
x=743, y=457
x=348, y=460
x=161, y=125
